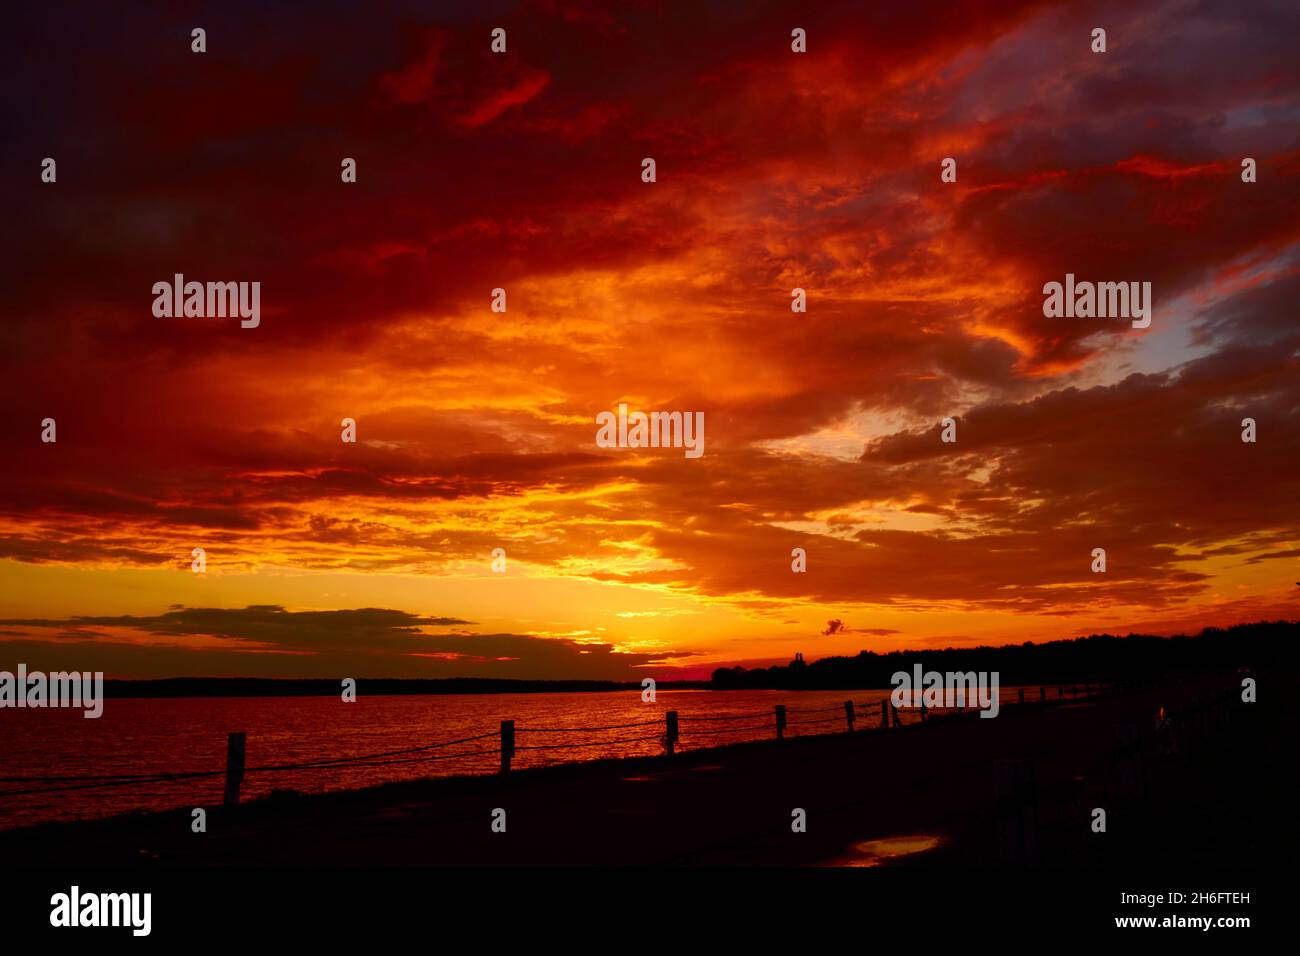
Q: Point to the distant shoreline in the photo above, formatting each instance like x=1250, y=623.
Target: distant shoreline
x=1098, y=658
x=378, y=687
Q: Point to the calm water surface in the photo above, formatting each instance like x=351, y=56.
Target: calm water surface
x=172, y=736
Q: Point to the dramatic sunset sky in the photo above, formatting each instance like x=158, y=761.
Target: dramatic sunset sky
x=477, y=430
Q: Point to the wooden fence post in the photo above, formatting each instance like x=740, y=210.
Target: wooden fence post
x=1021, y=695
x=670, y=738
x=507, y=744
x=848, y=714
x=895, y=710
x=922, y=710
x=780, y=721
x=884, y=715
x=234, y=767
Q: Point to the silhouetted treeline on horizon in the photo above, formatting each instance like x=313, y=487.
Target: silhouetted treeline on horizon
x=1103, y=657
x=1134, y=658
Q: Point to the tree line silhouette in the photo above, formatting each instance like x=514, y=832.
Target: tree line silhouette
x=1131, y=659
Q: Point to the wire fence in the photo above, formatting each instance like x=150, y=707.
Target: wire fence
x=850, y=714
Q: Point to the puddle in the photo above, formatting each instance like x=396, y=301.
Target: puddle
x=887, y=850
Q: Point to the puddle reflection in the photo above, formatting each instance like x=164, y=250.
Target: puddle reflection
x=886, y=850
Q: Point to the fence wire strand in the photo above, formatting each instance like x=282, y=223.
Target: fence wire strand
x=74, y=782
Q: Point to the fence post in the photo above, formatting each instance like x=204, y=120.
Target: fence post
x=848, y=714
x=895, y=710
x=670, y=738
x=780, y=721
x=507, y=744
x=884, y=715
x=234, y=767
x=922, y=710
x=1021, y=695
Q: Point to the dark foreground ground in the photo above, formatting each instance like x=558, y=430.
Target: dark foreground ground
x=1217, y=786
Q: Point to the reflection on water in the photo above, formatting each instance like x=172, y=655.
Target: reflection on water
x=174, y=735
x=887, y=850
x=180, y=735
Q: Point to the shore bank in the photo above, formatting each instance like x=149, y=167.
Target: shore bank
x=1208, y=787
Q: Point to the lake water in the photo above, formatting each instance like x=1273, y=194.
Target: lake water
x=146, y=736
